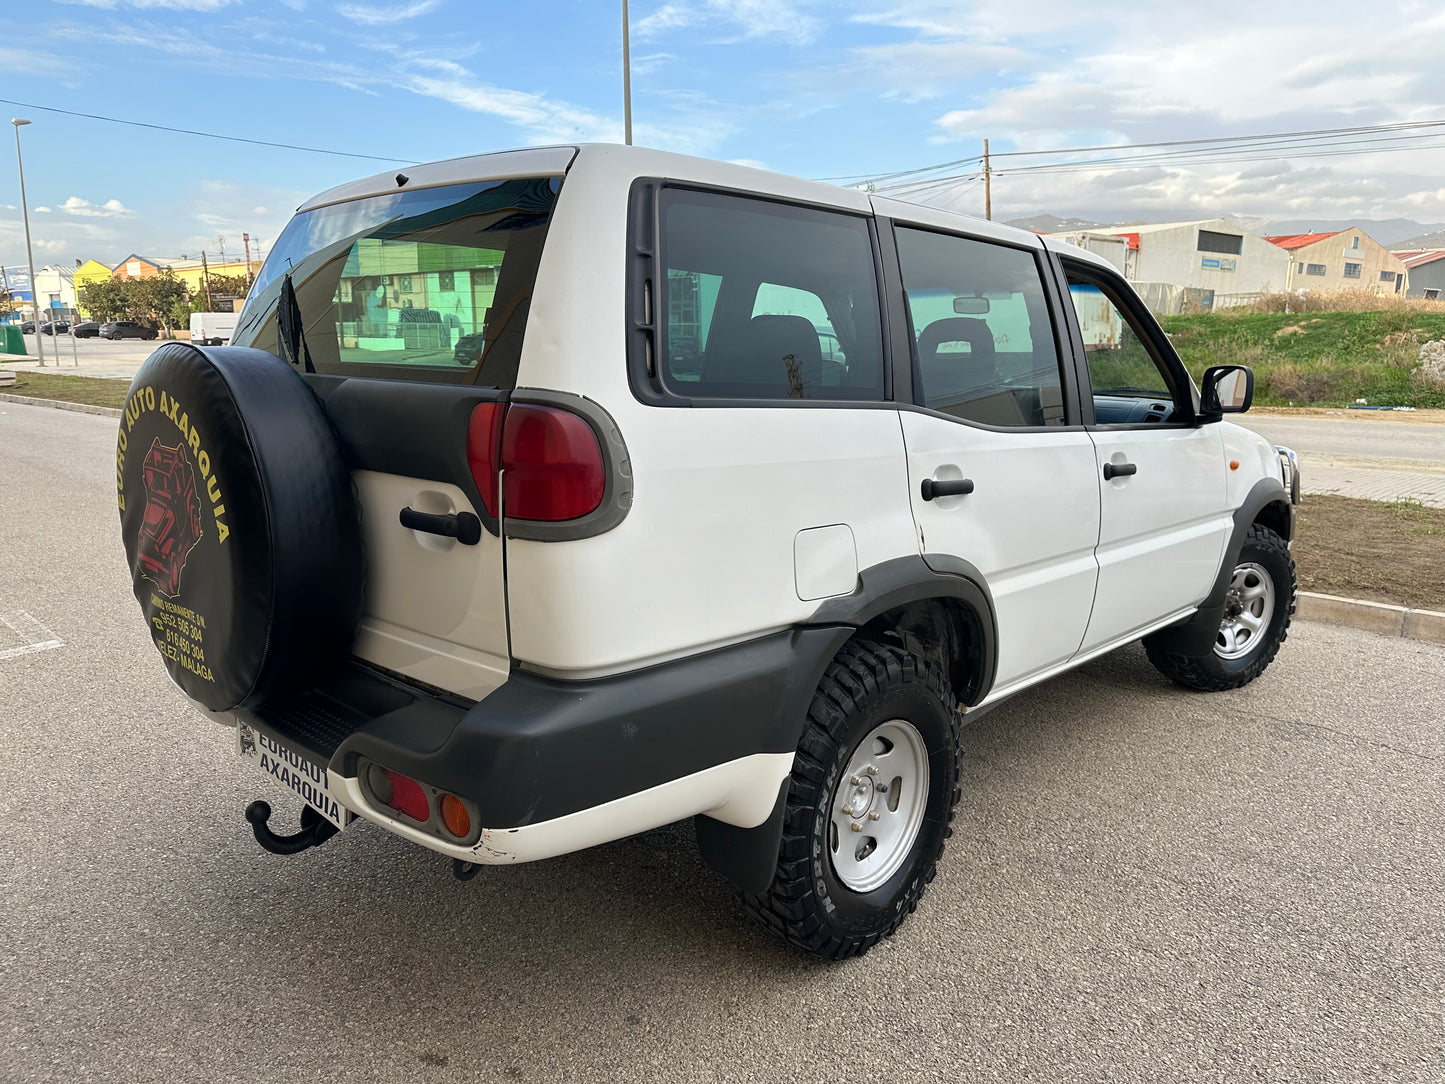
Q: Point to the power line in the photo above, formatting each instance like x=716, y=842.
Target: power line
x=1219, y=145
x=206, y=135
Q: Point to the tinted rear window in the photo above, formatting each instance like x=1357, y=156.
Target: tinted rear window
x=432, y=285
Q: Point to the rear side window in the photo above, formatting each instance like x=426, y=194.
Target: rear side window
x=983, y=338
x=767, y=301
x=432, y=285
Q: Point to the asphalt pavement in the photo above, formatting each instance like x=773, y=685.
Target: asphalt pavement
x=1144, y=884
x=1377, y=455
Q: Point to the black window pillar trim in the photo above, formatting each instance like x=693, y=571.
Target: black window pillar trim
x=902, y=357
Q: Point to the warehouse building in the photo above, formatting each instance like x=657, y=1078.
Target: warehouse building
x=1209, y=259
x=1426, y=268
x=1343, y=260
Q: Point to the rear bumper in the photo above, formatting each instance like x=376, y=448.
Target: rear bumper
x=553, y=765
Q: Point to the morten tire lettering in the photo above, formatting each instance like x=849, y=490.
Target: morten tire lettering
x=240, y=523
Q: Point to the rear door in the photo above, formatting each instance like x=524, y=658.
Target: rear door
x=1164, y=521
x=1000, y=472
x=413, y=307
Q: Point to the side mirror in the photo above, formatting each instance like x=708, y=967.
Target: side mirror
x=1225, y=389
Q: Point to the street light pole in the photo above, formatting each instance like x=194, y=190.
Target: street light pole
x=29, y=255
x=626, y=79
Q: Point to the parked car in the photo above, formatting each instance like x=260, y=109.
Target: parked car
x=86, y=329
x=27, y=327
x=126, y=329
x=55, y=327
x=642, y=553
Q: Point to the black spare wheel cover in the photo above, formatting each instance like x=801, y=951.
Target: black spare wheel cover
x=240, y=523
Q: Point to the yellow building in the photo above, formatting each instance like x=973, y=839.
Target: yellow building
x=86, y=273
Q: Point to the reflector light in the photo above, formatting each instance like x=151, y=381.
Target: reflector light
x=484, y=450
x=407, y=797
x=552, y=462
x=455, y=816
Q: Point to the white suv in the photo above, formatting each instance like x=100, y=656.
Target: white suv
x=551, y=496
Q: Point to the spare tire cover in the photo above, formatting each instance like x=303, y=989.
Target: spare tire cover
x=240, y=523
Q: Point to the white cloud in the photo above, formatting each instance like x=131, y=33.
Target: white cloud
x=750, y=19
x=41, y=210
x=369, y=15
x=74, y=205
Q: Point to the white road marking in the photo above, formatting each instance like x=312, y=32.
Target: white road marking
x=31, y=634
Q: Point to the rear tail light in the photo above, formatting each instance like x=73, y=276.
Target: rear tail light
x=484, y=450
x=456, y=816
x=550, y=458
x=437, y=812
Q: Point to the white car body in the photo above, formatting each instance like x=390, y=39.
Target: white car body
x=749, y=521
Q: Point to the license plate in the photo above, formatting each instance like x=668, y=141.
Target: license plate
x=305, y=779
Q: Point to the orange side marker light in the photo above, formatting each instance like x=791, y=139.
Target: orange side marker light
x=1234, y=464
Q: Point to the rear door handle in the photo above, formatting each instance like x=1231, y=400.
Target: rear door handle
x=1119, y=470
x=463, y=526
x=948, y=487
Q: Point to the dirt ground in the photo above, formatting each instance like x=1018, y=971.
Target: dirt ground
x=1373, y=550
x=1413, y=417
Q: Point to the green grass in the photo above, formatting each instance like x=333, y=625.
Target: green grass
x=91, y=390
x=1317, y=358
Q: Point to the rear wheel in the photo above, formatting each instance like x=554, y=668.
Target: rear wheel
x=872, y=793
x=1257, y=609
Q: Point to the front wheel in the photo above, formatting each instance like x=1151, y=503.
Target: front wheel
x=872, y=793
x=1258, y=605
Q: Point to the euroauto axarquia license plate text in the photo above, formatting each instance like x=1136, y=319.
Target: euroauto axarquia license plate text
x=304, y=778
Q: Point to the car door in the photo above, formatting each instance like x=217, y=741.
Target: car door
x=1164, y=520
x=1000, y=471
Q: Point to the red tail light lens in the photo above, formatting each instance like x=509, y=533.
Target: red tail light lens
x=484, y=450
x=553, y=464
x=407, y=797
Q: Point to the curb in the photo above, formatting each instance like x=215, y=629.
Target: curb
x=80, y=408
x=1372, y=616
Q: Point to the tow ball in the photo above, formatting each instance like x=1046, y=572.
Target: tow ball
x=315, y=830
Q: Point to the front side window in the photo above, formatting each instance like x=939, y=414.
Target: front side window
x=983, y=338
x=432, y=285
x=767, y=301
x=1128, y=380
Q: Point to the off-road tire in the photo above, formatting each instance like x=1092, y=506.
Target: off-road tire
x=1209, y=672
x=865, y=685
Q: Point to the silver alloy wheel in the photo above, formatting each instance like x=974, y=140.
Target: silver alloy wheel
x=1248, y=607
x=878, y=807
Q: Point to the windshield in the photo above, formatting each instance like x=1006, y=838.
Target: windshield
x=432, y=285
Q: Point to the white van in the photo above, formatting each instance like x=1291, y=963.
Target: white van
x=212, y=328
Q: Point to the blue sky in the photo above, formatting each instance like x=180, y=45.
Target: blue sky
x=846, y=87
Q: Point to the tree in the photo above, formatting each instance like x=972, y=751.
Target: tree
x=156, y=299
x=106, y=299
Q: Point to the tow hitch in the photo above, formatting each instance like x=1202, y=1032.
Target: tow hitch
x=315, y=830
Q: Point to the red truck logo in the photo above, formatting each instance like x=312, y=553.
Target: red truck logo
x=171, y=526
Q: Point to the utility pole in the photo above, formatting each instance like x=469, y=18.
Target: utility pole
x=246, y=241
x=987, y=185
x=206, y=278
x=626, y=80
x=20, y=122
